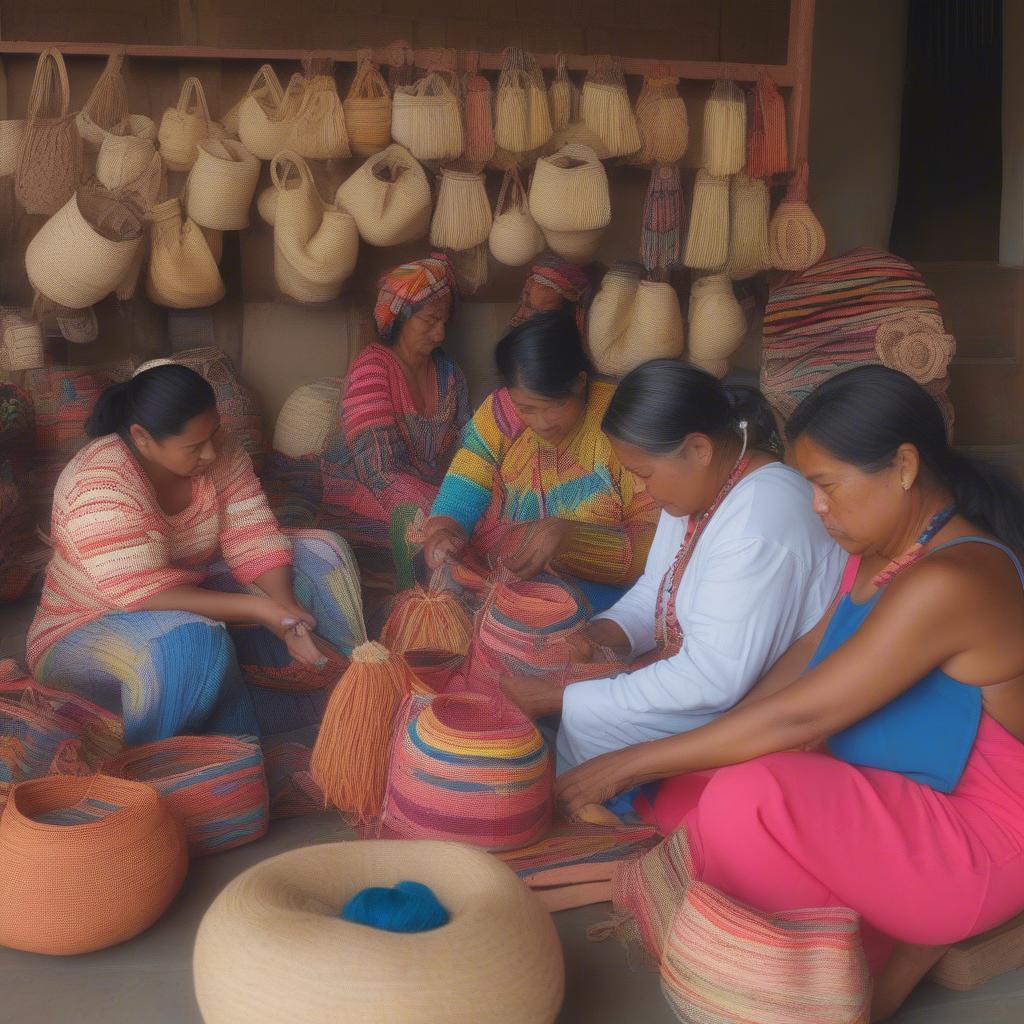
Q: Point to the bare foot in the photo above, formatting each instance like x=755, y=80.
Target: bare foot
x=908, y=964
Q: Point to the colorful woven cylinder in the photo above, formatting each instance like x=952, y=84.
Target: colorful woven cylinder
x=471, y=769
x=214, y=785
x=478, y=116
x=661, y=237
x=767, y=143
x=435, y=669
x=88, y=863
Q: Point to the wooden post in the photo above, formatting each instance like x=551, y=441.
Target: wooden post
x=798, y=64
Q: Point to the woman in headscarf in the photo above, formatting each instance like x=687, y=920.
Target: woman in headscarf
x=555, y=285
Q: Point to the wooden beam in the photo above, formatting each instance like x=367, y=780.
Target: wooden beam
x=798, y=57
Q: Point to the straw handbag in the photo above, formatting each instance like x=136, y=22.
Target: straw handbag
x=12, y=135
x=125, y=157
x=315, y=246
x=183, y=272
x=661, y=236
x=221, y=185
x=716, y=321
x=462, y=217
x=522, y=120
x=84, y=250
x=368, y=111
x=184, y=126
x=515, y=238
x=725, y=130
x=389, y=196
x=662, y=122
x=767, y=143
x=610, y=312
x=107, y=105
x=749, y=210
x=796, y=239
x=265, y=119
x=50, y=159
x=563, y=98
x=426, y=119
x=479, y=120
x=22, y=343
x=605, y=107
x=569, y=191
x=319, y=130
x=707, y=242
x=307, y=418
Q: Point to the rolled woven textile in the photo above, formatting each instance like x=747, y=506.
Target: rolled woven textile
x=184, y=126
x=515, y=238
x=569, y=191
x=427, y=619
x=661, y=237
x=707, y=241
x=749, y=211
x=478, y=116
x=462, y=216
x=725, y=130
x=214, y=785
x=522, y=120
x=368, y=111
x=182, y=271
x=767, y=143
x=563, y=97
x=89, y=862
x=716, y=321
x=662, y=122
x=266, y=114
x=12, y=136
x=319, y=132
x=221, y=185
x=606, y=110
x=307, y=418
x=426, y=119
x=796, y=239
x=107, y=104
x=468, y=768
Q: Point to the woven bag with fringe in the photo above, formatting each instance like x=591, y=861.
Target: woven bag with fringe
x=427, y=120
x=662, y=122
x=767, y=143
x=462, y=216
x=182, y=272
x=221, y=185
x=515, y=238
x=725, y=130
x=184, y=126
x=478, y=118
x=796, y=239
x=661, y=236
x=606, y=110
x=707, y=241
x=749, y=211
x=563, y=97
x=716, y=322
x=522, y=120
x=319, y=131
x=368, y=110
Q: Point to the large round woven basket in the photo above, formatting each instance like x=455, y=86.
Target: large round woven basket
x=273, y=947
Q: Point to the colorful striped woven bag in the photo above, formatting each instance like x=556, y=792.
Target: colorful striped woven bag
x=215, y=785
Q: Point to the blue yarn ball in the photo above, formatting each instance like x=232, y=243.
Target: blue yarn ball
x=407, y=907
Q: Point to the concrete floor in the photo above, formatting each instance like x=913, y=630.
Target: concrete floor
x=149, y=980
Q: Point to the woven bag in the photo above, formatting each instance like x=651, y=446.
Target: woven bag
x=307, y=418
x=515, y=239
x=606, y=110
x=265, y=118
x=319, y=132
x=22, y=343
x=12, y=136
x=662, y=122
x=569, y=191
x=182, y=271
x=522, y=120
x=609, y=315
x=315, y=246
x=221, y=185
x=767, y=144
x=725, y=130
x=49, y=163
x=368, y=111
x=89, y=862
x=479, y=120
x=462, y=217
x=184, y=126
x=716, y=322
x=107, y=105
x=707, y=241
x=426, y=119
x=84, y=250
x=563, y=98
x=389, y=196
x=125, y=157
x=654, y=331
x=749, y=210
x=661, y=236
x=796, y=239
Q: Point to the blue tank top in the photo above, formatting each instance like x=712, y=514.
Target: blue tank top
x=926, y=733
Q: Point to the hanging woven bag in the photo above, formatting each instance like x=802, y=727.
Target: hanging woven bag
x=796, y=239
x=368, y=110
x=522, y=120
x=479, y=120
x=319, y=132
x=654, y=331
x=563, y=97
x=462, y=216
x=184, y=126
x=107, y=105
x=84, y=250
x=515, y=238
x=569, y=191
x=606, y=110
x=707, y=242
x=12, y=135
x=221, y=185
x=749, y=211
x=662, y=122
x=725, y=130
x=426, y=119
x=315, y=246
x=126, y=153
x=265, y=118
x=716, y=321
x=661, y=237
x=767, y=144
x=183, y=272
x=609, y=315
x=50, y=159
x=389, y=196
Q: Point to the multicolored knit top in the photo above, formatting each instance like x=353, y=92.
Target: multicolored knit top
x=505, y=472
x=115, y=548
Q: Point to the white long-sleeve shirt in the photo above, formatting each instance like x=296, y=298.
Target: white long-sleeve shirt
x=762, y=574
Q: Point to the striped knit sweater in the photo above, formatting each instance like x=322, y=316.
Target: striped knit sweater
x=114, y=548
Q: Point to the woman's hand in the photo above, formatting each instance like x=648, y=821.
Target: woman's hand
x=595, y=781
x=292, y=626
x=535, y=697
x=443, y=541
x=545, y=541
x=598, y=635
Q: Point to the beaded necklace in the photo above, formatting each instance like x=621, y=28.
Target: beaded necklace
x=917, y=551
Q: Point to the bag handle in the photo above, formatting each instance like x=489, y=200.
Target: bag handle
x=512, y=188
x=280, y=177
x=107, y=104
x=49, y=85
x=368, y=83
x=192, y=99
x=267, y=78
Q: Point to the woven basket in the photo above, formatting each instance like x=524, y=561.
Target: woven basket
x=265, y=119
x=426, y=119
x=716, y=322
x=82, y=252
x=662, y=122
x=579, y=247
x=182, y=271
x=221, y=185
x=315, y=247
x=522, y=120
x=462, y=217
x=389, y=196
x=707, y=241
x=478, y=116
x=107, y=105
x=606, y=110
x=319, y=132
x=749, y=209
x=609, y=315
x=796, y=239
x=88, y=863
x=214, y=785
x=975, y=962
x=307, y=418
x=515, y=238
x=368, y=111
x=12, y=136
x=563, y=98
x=655, y=329
x=725, y=130
x=124, y=159
x=767, y=142
x=22, y=343
x=569, y=191
x=50, y=158
x=184, y=126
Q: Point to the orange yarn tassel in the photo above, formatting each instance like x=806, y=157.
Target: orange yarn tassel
x=479, y=120
x=433, y=620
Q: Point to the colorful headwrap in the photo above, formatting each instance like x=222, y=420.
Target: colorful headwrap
x=407, y=289
x=866, y=307
x=563, y=277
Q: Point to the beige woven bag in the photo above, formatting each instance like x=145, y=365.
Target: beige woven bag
x=84, y=250
x=368, y=111
x=426, y=119
x=221, y=185
x=796, y=239
x=576, y=134
x=319, y=131
x=315, y=246
x=662, y=122
x=655, y=329
x=389, y=196
x=265, y=115
x=707, y=242
x=749, y=209
x=307, y=418
x=609, y=314
x=107, y=105
x=569, y=191
x=22, y=342
x=716, y=321
x=522, y=120
x=12, y=135
x=182, y=272
x=462, y=217
x=50, y=159
x=563, y=97
x=725, y=129
x=184, y=126
x=605, y=107
x=515, y=238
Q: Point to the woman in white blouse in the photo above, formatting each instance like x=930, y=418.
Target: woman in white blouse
x=740, y=567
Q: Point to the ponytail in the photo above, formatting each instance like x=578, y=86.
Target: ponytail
x=989, y=497
x=112, y=413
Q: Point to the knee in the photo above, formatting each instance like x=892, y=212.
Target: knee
x=318, y=552
x=738, y=800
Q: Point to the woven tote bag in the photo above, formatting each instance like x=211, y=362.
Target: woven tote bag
x=515, y=238
x=662, y=122
x=183, y=272
x=426, y=119
x=749, y=210
x=50, y=158
x=368, y=111
x=319, y=132
x=462, y=216
x=796, y=239
x=563, y=98
x=767, y=142
x=389, y=196
x=107, y=105
x=184, y=126
x=606, y=110
x=707, y=241
x=84, y=250
x=265, y=119
x=725, y=130
x=522, y=119
x=478, y=115
x=716, y=321
x=569, y=191
x=221, y=185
